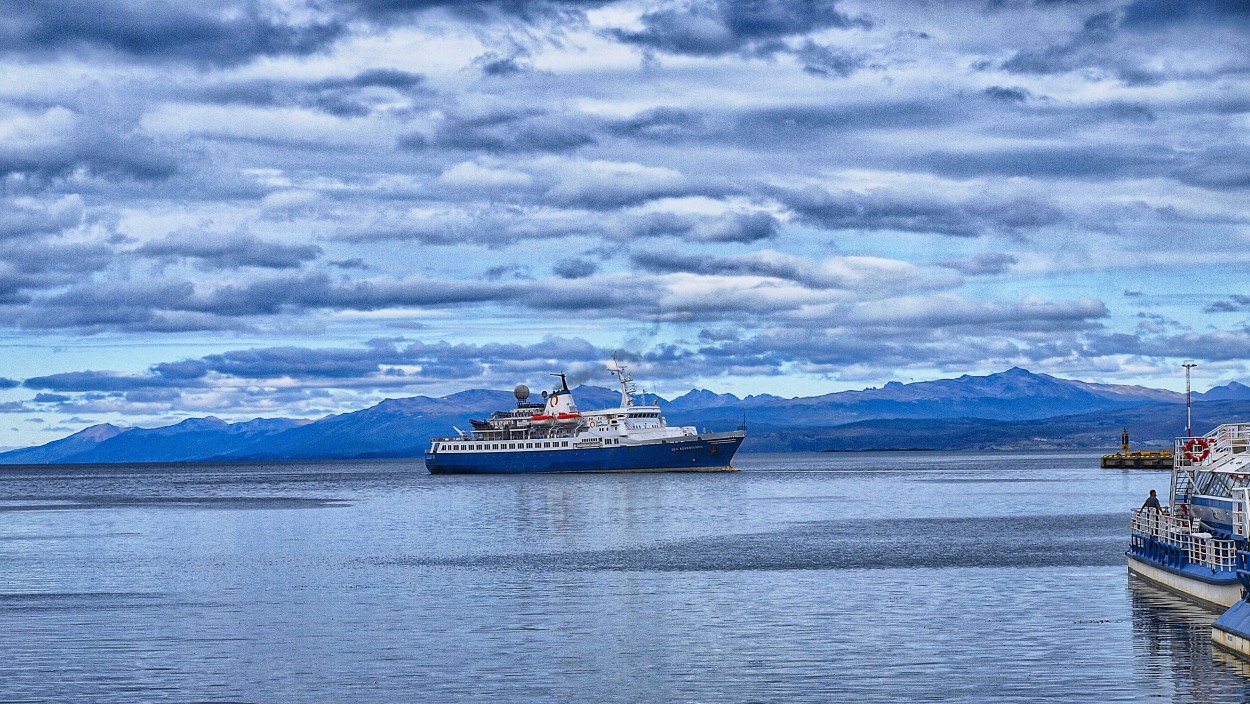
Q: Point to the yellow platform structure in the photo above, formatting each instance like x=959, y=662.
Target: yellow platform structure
x=1149, y=459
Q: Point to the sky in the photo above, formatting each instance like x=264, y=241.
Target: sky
x=264, y=208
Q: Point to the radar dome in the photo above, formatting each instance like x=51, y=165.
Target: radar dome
x=521, y=392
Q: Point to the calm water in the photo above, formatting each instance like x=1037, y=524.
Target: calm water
x=847, y=577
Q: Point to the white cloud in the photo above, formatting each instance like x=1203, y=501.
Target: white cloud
x=472, y=174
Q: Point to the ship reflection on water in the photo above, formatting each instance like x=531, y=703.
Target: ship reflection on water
x=1172, y=641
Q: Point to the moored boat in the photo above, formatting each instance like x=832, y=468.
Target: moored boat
x=554, y=436
x=1196, y=545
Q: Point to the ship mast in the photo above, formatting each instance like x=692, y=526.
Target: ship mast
x=628, y=388
x=1189, y=414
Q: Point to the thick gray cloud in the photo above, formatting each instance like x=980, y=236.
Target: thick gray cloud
x=664, y=124
x=716, y=27
x=1159, y=15
x=1123, y=41
x=986, y=264
x=26, y=217
x=1013, y=94
x=738, y=227
x=884, y=210
x=525, y=131
x=376, y=364
x=822, y=60
x=317, y=291
x=344, y=96
x=1082, y=49
x=475, y=11
x=1222, y=168
x=1233, y=304
x=219, y=32
x=28, y=267
x=98, y=381
x=1217, y=346
x=58, y=141
x=214, y=251
x=575, y=268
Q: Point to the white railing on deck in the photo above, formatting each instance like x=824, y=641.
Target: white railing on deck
x=1229, y=438
x=1183, y=532
x=1232, y=431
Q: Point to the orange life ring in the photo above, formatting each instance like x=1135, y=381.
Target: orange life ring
x=1197, y=449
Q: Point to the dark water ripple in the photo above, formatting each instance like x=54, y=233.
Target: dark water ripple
x=1032, y=541
x=71, y=502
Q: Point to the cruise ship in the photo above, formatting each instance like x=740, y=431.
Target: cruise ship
x=553, y=435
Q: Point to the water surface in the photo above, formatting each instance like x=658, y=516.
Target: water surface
x=875, y=577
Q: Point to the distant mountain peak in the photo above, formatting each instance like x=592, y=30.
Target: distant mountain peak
x=1019, y=373
x=1233, y=390
x=702, y=398
x=101, y=432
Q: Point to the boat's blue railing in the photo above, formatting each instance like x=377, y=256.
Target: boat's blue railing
x=1177, y=540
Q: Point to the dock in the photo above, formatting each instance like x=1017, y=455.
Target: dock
x=1140, y=459
x=1157, y=459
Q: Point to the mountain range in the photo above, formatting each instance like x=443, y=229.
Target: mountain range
x=1015, y=409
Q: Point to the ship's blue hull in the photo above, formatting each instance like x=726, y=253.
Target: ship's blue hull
x=710, y=451
x=1167, y=557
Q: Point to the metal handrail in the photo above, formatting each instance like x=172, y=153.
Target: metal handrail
x=1180, y=532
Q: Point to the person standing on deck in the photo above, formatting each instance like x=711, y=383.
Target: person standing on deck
x=1152, y=503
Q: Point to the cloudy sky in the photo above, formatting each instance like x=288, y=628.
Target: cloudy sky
x=297, y=207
